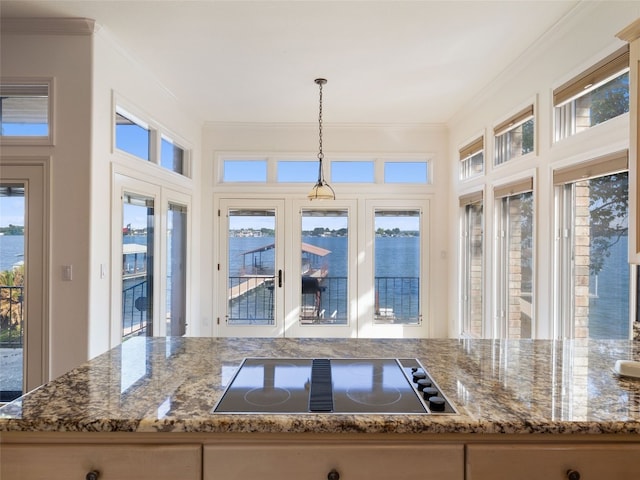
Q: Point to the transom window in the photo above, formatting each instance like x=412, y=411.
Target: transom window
x=147, y=142
x=472, y=159
x=390, y=171
x=515, y=136
x=596, y=95
x=25, y=112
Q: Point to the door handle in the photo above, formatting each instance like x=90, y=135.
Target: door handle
x=279, y=278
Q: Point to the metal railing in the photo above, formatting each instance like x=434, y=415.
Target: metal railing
x=251, y=301
x=11, y=316
x=135, y=309
x=397, y=300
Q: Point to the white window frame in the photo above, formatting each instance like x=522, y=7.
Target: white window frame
x=157, y=132
x=48, y=139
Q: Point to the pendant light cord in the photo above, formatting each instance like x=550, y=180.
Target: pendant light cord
x=320, y=154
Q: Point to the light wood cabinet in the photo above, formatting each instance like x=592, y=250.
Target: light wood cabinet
x=341, y=460
x=631, y=34
x=553, y=462
x=110, y=462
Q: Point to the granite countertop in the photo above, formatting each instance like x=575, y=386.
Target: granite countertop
x=498, y=386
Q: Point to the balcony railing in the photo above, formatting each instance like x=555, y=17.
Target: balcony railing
x=135, y=309
x=251, y=300
x=11, y=316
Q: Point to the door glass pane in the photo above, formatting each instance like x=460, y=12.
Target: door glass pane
x=517, y=258
x=137, y=266
x=397, y=266
x=325, y=262
x=601, y=272
x=176, y=270
x=251, y=267
x=472, y=273
x=12, y=301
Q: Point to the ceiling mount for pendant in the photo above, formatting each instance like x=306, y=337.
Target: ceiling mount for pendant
x=321, y=190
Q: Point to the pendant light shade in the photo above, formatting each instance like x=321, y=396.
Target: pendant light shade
x=321, y=190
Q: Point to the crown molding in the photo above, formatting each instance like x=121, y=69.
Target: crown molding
x=630, y=33
x=48, y=26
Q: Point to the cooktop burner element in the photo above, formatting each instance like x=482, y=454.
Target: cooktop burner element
x=365, y=386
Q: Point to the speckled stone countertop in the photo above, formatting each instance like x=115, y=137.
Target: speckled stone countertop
x=172, y=385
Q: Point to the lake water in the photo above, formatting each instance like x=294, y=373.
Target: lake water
x=395, y=256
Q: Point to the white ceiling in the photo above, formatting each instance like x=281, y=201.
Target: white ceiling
x=389, y=62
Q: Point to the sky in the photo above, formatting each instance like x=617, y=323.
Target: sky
x=11, y=211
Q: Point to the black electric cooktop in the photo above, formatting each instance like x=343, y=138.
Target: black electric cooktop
x=363, y=385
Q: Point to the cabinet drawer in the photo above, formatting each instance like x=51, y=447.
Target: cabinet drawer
x=113, y=462
x=552, y=461
x=351, y=462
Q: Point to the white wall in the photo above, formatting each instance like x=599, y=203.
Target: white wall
x=87, y=69
x=574, y=45
x=117, y=77
x=368, y=141
x=66, y=59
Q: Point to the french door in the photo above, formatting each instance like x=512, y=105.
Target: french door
x=285, y=271
x=23, y=276
x=151, y=255
x=251, y=265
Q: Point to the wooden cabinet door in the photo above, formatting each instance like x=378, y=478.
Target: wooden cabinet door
x=349, y=461
x=553, y=461
x=111, y=462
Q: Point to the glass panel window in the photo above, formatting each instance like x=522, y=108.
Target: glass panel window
x=244, y=171
x=518, y=140
x=297, y=171
x=24, y=110
x=325, y=261
x=12, y=302
x=133, y=136
x=397, y=266
x=137, y=266
x=352, y=172
x=251, y=267
x=406, y=172
x=472, y=275
x=515, y=285
x=171, y=156
x=596, y=105
x=596, y=257
x=176, y=270
x=472, y=166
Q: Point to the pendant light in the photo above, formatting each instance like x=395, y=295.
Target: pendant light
x=321, y=190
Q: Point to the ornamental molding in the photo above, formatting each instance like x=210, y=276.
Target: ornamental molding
x=48, y=26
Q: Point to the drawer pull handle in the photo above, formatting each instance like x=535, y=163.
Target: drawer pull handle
x=333, y=475
x=93, y=475
x=573, y=475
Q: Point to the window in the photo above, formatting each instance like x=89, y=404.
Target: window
x=389, y=171
x=25, y=112
x=297, y=171
x=325, y=267
x=244, y=171
x=472, y=265
x=352, y=171
x=595, y=96
x=397, y=266
x=150, y=143
x=176, y=270
x=132, y=135
x=515, y=136
x=472, y=159
x=137, y=265
x=406, y=172
x=514, y=204
x=593, y=273
x=172, y=156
